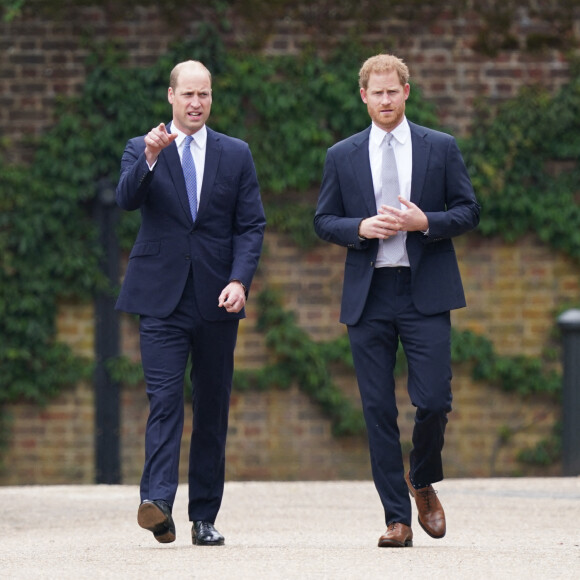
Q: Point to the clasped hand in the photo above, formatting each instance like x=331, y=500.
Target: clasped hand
x=391, y=220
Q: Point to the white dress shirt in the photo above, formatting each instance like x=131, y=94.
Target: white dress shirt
x=404, y=156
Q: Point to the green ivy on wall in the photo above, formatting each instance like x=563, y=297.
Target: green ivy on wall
x=523, y=161
x=297, y=360
x=290, y=109
x=44, y=257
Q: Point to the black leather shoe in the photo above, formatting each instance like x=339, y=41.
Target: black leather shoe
x=204, y=534
x=155, y=516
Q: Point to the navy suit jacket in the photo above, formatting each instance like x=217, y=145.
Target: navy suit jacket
x=223, y=244
x=440, y=186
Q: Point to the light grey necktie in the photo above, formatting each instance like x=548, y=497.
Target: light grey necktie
x=190, y=175
x=393, y=248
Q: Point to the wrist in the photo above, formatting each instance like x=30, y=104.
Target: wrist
x=240, y=283
x=360, y=236
x=151, y=158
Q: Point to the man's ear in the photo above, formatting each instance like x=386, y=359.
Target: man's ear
x=363, y=95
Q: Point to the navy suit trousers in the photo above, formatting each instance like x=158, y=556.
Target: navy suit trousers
x=166, y=344
x=389, y=316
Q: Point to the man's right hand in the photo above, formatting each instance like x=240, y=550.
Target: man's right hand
x=381, y=226
x=156, y=140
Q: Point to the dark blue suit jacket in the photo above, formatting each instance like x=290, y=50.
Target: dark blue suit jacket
x=440, y=186
x=224, y=243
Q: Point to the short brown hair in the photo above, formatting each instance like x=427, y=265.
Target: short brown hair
x=381, y=63
x=174, y=76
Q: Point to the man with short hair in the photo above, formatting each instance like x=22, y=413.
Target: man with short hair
x=188, y=277
x=395, y=195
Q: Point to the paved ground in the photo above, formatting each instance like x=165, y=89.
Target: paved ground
x=497, y=528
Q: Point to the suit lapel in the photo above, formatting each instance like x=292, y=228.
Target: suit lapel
x=212, y=158
x=361, y=166
x=421, y=149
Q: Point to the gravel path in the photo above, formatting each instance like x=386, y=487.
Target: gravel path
x=496, y=528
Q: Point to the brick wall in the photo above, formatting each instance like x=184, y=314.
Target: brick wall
x=41, y=59
x=512, y=290
x=282, y=434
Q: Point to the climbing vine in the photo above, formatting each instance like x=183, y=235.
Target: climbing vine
x=290, y=109
x=523, y=163
x=48, y=239
x=298, y=360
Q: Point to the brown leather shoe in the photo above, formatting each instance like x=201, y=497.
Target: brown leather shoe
x=396, y=536
x=431, y=514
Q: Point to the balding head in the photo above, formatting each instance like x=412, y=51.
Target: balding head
x=190, y=66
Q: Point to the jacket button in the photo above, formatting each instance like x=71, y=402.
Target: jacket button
x=188, y=257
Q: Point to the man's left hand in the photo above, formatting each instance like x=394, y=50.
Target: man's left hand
x=233, y=297
x=411, y=219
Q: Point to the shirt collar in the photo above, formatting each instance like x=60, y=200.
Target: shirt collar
x=401, y=133
x=199, y=138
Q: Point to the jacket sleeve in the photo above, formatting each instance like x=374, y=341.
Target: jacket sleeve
x=462, y=211
x=135, y=176
x=330, y=220
x=249, y=225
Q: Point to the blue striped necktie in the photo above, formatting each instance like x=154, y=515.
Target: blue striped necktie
x=190, y=176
